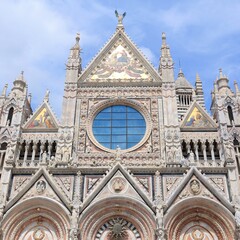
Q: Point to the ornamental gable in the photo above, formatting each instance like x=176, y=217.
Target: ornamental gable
x=197, y=117
x=117, y=183
x=120, y=61
x=43, y=119
x=196, y=185
x=41, y=185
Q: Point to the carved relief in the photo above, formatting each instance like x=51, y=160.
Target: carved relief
x=118, y=185
x=195, y=187
x=116, y=229
x=41, y=186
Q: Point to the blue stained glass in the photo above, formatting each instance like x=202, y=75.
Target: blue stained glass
x=103, y=115
x=134, y=116
x=108, y=109
x=102, y=123
x=119, y=125
x=102, y=131
x=119, y=138
x=103, y=138
x=119, y=115
x=134, y=138
x=121, y=145
x=136, y=123
x=138, y=130
x=119, y=130
x=119, y=109
x=129, y=109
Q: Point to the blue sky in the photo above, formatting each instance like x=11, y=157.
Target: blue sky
x=36, y=35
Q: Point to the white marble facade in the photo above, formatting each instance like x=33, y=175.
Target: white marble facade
x=134, y=156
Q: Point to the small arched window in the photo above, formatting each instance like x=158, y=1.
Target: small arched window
x=10, y=116
x=230, y=114
x=3, y=148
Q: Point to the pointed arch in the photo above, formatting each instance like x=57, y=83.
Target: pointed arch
x=230, y=114
x=10, y=116
x=3, y=148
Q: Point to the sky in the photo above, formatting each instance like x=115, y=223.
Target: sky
x=36, y=35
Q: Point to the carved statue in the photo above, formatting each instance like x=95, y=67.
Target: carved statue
x=88, y=148
x=191, y=157
x=44, y=157
x=74, y=234
x=149, y=147
x=120, y=16
x=159, y=216
x=118, y=149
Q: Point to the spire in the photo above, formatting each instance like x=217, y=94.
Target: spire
x=166, y=63
x=120, y=18
x=30, y=98
x=74, y=60
x=222, y=84
x=20, y=83
x=181, y=74
x=199, y=91
x=4, y=91
x=215, y=87
x=237, y=92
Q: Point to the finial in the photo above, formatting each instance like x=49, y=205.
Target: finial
x=4, y=92
x=21, y=77
x=120, y=18
x=220, y=73
x=29, y=98
x=180, y=74
x=215, y=87
x=198, y=78
x=163, y=38
x=236, y=87
x=46, y=98
x=77, y=37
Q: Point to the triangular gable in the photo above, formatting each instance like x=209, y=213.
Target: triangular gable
x=5, y=133
x=39, y=181
x=43, y=119
x=117, y=179
x=197, y=117
x=198, y=186
x=120, y=61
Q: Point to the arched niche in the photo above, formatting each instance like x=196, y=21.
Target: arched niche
x=3, y=148
x=36, y=219
x=117, y=217
x=10, y=116
x=199, y=218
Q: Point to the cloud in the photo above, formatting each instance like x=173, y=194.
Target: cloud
x=36, y=37
x=149, y=54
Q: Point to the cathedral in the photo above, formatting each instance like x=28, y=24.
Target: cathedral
x=135, y=155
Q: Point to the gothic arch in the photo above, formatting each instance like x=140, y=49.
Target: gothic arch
x=124, y=216
x=36, y=218
x=198, y=218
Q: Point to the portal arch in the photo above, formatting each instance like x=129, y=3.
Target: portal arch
x=36, y=218
x=117, y=217
x=198, y=218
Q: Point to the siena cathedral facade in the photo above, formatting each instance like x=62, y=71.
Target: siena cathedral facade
x=135, y=156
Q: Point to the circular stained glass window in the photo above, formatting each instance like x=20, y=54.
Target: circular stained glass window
x=119, y=126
